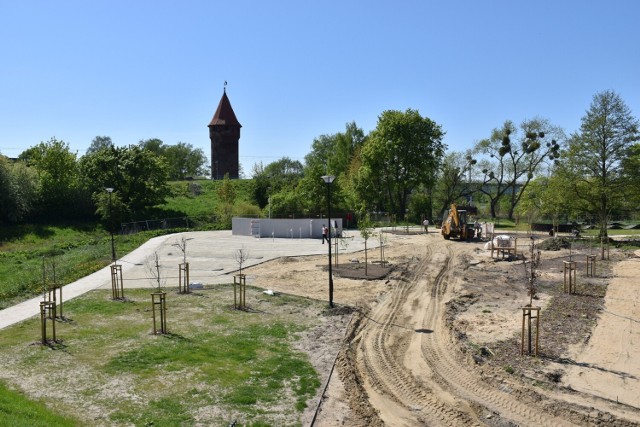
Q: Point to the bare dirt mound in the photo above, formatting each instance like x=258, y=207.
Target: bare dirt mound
x=362, y=271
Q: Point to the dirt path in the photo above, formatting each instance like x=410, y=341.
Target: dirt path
x=409, y=362
x=608, y=367
x=401, y=365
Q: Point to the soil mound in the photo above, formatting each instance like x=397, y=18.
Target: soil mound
x=358, y=271
x=554, y=244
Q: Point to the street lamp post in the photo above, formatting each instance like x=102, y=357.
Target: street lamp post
x=328, y=179
x=113, y=246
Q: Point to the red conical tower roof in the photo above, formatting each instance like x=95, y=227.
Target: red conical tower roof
x=224, y=114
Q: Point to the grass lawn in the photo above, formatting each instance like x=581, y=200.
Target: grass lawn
x=32, y=254
x=16, y=410
x=217, y=364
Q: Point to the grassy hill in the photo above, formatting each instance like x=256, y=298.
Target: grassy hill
x=34, y=255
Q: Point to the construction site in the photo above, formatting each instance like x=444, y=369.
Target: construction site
x=520, y=330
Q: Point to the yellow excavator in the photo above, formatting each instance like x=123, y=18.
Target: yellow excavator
x=455, y=224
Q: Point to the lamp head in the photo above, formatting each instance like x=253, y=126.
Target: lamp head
x=328, y=179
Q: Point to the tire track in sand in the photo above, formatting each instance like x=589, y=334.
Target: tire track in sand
x=384, y=345
x=437, y=351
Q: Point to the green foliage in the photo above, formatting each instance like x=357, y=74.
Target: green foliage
x=226, y=197
x=100, y=143
x=403, y=152
x=419, y=206
x=596, y=153
x=16, y=410
x=286, y=203
x=330, y=155
x=183, y=160
x=280, y=176
x=333, y=153
x=242, y=208
x=548, y=198
x=138, y=177
x=198, y=199
x=226, y=192
x=512, y=158
x=311, y=194
x=110, y=209
x=453, y=185
x=60, y=194
x=18, y=190
x=154, y=145
x=631, y=165
x=77, y=251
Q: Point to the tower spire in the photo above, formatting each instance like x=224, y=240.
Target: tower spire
x=224, y=133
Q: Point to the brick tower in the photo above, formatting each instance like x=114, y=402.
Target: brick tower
x=224, y=132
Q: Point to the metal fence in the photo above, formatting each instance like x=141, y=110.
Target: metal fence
x=167, y=223
x=348, y=220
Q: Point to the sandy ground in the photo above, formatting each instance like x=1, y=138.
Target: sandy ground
x=400, y=364
x=608, y=366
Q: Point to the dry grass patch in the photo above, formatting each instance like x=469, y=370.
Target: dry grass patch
x=216, y=365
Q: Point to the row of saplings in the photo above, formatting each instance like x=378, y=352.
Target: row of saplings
x=51, y=308
x=530, y=313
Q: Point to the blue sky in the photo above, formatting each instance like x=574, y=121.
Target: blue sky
x=136, y=70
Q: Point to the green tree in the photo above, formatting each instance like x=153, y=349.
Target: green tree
x=280, y=176
x=226, y=198
x=420, y=205
x=59, y=190
x=9, y=212
x=287, y=203
x=14, y=204
x=513, y=158
x=138, y=177
x=334, y=152
x=330, y=155
x=596, y=153
x=313, y=190
x=454, y=180
x=183, y=160
x=365, y=226
x=154, y=145
x=110, y=208
x=548, y=197
x=631, y=165
x=404, y=151
x=100, y=143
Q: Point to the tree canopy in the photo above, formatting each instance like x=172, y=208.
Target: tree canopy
x=282, y=175
x=454, y=183
x=100, y=143
x=513, y=156
x=596, y=154
x=18, y=191
x=398, y=168
x=138, y=177
x=403, y=152
x=59, y=190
